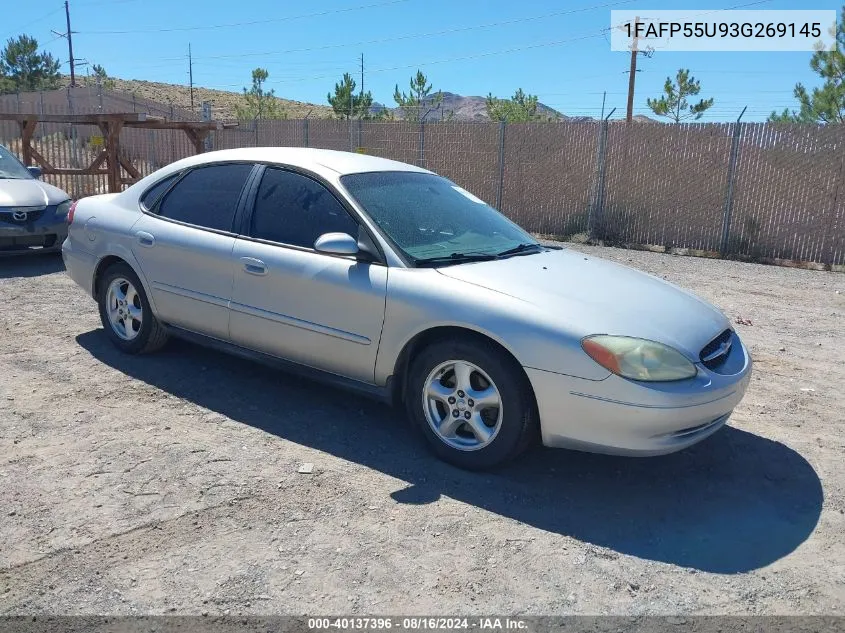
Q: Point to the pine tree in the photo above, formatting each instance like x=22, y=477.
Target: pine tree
x=673, y=103
x=258, y=102
x=23, y=68
x=521, y=108
x=346, y=104
x=825, y=104
x=419, y=101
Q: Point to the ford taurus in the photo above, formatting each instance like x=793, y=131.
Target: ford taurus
x=389, y=279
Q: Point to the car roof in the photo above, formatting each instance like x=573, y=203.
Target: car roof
x=326, y=163
x=312, y=159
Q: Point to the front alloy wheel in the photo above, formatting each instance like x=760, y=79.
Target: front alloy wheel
x=472, y=402
x=462, y=405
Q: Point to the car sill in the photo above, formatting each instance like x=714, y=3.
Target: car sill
x=383, y=394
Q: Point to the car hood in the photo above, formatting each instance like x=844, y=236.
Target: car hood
x=29, y=193
x=588, y=295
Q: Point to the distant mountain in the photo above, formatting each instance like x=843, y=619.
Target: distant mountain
x=462, y=109
x=224, y=102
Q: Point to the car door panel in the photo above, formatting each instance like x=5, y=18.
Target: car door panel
x=319, y=310
x=190, y=272
x=324, y=311
x=184, y=245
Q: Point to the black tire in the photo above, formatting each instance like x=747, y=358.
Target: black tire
x=151, y=335
x=520, y=421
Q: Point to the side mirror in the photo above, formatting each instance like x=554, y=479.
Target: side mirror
x=35, y=171
x=336, y=244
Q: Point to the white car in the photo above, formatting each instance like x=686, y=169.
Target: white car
x=392, y=280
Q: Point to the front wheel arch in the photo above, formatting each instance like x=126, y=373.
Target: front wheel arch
x=433, y=335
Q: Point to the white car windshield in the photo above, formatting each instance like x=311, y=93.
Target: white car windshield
x=11, y=167
x=433, y=220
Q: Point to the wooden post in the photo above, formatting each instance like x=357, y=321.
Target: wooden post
x=633, y=74
x=111, y=127
x=197, y=137
x=109, y=162
x=27, y=132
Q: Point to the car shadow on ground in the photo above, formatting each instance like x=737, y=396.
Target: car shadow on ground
x=31, y=264
x=733, y=503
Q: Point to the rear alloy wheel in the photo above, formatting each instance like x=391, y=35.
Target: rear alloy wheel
x=124, y=308
x=473, y=403
x=126, y=314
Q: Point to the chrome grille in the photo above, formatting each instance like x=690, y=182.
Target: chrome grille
x=716, y=351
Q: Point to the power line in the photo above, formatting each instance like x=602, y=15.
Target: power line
x=409, y=36
x=252, y=22
x=467, y=57
x=43, y=17
x=104, y=2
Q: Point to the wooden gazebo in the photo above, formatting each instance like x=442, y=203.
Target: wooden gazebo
x=109, y=161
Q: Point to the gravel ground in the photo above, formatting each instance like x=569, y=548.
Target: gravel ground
x=169, y=483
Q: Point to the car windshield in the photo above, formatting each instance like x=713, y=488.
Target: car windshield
x=11, y=167
x=434, y=221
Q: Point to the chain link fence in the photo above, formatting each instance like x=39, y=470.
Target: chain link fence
x=750, y=190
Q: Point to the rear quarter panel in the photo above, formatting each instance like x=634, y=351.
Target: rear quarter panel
x=102, y=227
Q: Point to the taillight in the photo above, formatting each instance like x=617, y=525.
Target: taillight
x=71, y=210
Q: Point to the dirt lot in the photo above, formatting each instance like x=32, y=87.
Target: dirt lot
x=169, y=483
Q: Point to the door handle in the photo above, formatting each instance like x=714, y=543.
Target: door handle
x=145, y=239
x=254, y=266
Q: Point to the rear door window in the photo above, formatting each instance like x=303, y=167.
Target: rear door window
x=152, y=194
x=207, y=196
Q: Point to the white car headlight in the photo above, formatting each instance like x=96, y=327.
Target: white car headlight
x=62, y=209
x=638, y=359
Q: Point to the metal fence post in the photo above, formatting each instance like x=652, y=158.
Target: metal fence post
x=305, y=132
x=422, y=143
x=501, y=184
x=152, y=155
x=206, y=116
x=359, y=135
x=729, y=193
x=596, y=212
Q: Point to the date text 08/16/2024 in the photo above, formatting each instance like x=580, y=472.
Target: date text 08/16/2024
x=417, y=623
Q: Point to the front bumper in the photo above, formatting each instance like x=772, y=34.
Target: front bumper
x=42, y=235
x=625, y=417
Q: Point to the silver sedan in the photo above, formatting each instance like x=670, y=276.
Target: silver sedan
x=391, y=280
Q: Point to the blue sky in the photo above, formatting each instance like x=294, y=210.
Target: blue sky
x=472, y=47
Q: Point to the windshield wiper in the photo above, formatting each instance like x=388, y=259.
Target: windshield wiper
x=519, y=249
x=456, y=258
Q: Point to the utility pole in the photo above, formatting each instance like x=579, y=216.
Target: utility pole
x=362, y=74
x=633, y=73
x=191, y=75
x=69, y=36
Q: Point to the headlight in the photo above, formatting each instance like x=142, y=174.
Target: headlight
x=62, y=209
x=638, y=359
